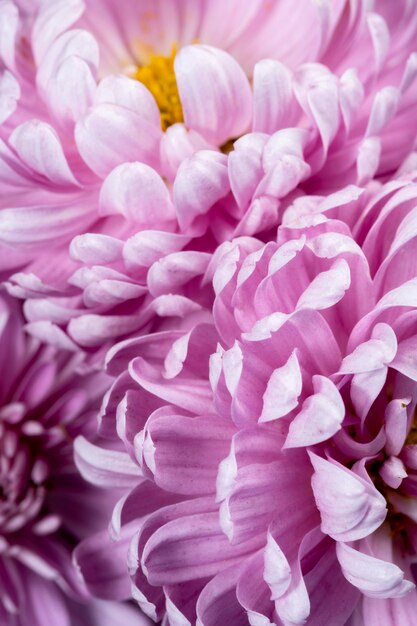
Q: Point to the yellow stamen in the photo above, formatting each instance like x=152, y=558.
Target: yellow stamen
x=411, y=439
x=227, y=147
x=412, y=436
x=159, y=77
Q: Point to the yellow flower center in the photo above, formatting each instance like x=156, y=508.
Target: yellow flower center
x=159, y=77
x=412, y=435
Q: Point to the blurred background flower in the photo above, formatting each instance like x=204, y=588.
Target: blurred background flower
x=45, y=506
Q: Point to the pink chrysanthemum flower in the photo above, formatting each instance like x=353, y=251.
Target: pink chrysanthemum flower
x=119, y=117
x=45, y=507
x=278, y=474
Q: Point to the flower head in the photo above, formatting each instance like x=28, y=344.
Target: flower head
x=276, y=443
x=45, y=507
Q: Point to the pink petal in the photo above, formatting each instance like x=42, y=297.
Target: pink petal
x=181, y=601
x=51, y=334
x=150, y=599
x=39, y=593
x=103, y=467
x=332, y=597
x=9, y=22
x=105, y=613
x=321, y=415
x=93, y=248
x=283, y=390
x=179, y=143
x=183, y=453
x=52, y=20
x=191, y=395
x=130, y=94
x=373, y=354
x=79, y=44
x=351, y=94
x=137, y=192
x=70, y=91
x=245, y=167
x=217, y=604
x=94, y=330
x=277, y=570
x=38, y=224
x=410, y=72
x=367, y=162
x=254, y=594
x=396, y=425
x=379, y=611
x=374, y=577
x=317, y=91
x=380, y=36
x=201, y=181
x=170, y=273
x=110, y=135
x=219, y=24
x=393, y=472
x=39, y=147
x=188, y=546
x=350, y=507
x=260, y=216
x=383, y=109
x=215, y=93
x=365, y=388
x=327, y=288
x=405, y=360
x=103, y=566
x=9, y=94
x=111, y=292
x=274, y=105
x=148, y=246
x=303, y=29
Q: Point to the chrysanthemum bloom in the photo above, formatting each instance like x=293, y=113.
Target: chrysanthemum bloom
x=119, y=117
x=279, y=474
x=44, y=504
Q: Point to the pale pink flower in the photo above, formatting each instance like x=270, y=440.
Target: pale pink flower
x=278, y=474
x=90, y=145
x=45, y=506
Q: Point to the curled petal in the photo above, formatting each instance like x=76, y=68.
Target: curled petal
x=104, y=467
x=283, y=390
x=110, y=135
x=374, y=577
x=201, y=181
x=130, y=94
x=136, y=191
x=273, y=97
x=320, y=417
x=214, y=91
x=39, y=147
x=350, y=507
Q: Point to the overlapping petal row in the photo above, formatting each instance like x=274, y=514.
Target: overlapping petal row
x=229, y=188
x=45, y=506
x=276, y=442
x=277, y=103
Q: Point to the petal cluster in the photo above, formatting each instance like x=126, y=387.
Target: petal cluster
x=92, y=176
x=275, y=442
